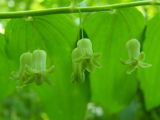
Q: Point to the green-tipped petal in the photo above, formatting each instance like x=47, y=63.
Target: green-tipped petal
x=76, y=55
x=25, y=60
x=85, y=46
x=126, y=62
x=39, y=61
x=131, y=69
x=144, y=65
x=78, y=74
x=133, y=47
x=141, y=56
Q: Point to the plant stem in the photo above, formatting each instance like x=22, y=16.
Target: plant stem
x=62, y=10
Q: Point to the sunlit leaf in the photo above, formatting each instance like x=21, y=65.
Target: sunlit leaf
x=7, y=85
x=111, y=87
x=57, y=34
x=149, y=79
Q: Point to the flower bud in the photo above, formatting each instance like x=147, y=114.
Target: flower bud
x=39, y=61
x=76, y=55
x=133, y=47
x=85, y=45
x=25, y=61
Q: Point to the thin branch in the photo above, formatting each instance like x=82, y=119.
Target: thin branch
x=63, y=10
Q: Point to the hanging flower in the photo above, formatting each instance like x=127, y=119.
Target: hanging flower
x=83, y=59
x=136, y=57
x=33, y=68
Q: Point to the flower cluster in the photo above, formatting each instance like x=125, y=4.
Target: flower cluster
x=83, y=59
x=33, y=68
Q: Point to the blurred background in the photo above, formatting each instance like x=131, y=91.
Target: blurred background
x=13, y=5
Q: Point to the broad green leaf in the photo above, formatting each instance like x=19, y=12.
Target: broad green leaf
x=111, y=87
x=149, y=78
x=57, y=34
x=7, y=85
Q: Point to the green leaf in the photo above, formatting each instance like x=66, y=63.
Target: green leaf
x=57, y=35
x=109, y=31
x=7, y=85
x=149, y=78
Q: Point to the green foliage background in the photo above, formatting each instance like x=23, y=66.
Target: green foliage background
x=121, y=96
